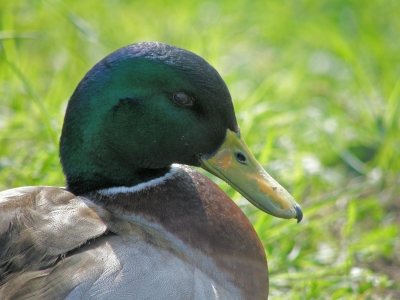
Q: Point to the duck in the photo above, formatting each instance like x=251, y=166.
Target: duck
x=136, y=220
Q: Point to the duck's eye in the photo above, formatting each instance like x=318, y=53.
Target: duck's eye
x=240, y=157
x=182, y=99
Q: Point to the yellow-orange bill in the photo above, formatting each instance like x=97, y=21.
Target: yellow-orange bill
x=234, y=163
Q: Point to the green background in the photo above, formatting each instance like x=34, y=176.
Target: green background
x=316, y=89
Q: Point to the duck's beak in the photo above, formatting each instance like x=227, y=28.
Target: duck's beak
x=234, y=163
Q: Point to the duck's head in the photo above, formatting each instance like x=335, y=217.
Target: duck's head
x=149, y=105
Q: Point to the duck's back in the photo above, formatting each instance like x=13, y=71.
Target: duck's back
x=182, y=238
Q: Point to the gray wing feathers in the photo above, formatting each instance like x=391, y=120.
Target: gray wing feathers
x=38, y=227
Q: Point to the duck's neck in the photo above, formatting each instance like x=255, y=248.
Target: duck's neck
x=112, y=178
x=141, y=186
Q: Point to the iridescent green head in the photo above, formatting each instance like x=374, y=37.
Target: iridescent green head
x=139, y=110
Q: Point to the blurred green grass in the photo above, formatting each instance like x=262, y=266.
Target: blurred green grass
x=316, y=88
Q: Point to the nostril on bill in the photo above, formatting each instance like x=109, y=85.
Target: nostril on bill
x=240, y=157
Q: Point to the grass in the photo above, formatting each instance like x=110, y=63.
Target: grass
x=316, y=88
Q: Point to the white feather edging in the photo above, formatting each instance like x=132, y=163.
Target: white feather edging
x=141, y=186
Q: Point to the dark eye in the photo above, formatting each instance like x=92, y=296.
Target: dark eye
x=181, y=98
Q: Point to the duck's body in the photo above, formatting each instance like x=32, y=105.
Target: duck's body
x=196, y=244
x=129, y=224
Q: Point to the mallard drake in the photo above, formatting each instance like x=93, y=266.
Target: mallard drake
x=135, y=221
